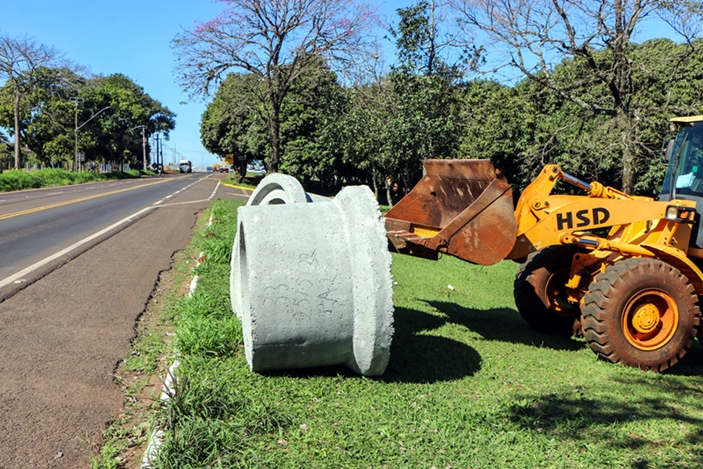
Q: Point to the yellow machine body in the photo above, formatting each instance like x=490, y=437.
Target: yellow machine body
x=635, y=226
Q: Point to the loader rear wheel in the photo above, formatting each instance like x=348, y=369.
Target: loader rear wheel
x=540, y=291
x=642, y=313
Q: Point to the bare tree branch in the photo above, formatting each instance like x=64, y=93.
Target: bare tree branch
x=538, y=35
x=276, y=40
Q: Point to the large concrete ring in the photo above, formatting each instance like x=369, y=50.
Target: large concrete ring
x=316, y=286
x=274, y=189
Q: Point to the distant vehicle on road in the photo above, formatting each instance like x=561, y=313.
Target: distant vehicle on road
x=185, y=166
x=256, y=167
x=224, y=169
x=215, y=168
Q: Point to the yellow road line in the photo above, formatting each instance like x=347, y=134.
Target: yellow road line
x=234, y=186
x=75, y=201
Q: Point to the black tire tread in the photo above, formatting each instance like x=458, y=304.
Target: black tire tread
x=524, y=291
x=604, y=292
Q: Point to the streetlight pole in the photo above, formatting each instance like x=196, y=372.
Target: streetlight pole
x=81, y=126
x=75, y=133
x=143, y=127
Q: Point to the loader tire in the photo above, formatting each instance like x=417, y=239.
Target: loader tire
x=641, y=313
x=540, y=287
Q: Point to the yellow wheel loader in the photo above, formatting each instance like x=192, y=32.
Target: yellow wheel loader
x=623, y=270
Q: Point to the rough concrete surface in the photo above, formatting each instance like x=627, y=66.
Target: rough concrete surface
x=274, y=189
x=316, y=287
x=61, y=338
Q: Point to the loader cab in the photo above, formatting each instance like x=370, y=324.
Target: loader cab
x=684, y=174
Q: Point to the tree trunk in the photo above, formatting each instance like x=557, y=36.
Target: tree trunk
x=389, y=195
x=275, y=130
x=240, y=171
x=374, y=181
x=628, y=165
x=17, y=129
x=629, y=152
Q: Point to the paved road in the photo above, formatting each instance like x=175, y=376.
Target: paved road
x=67, y=324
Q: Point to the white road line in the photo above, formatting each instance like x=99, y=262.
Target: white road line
x=215, y=191
x=57, y=193
x=22, y=273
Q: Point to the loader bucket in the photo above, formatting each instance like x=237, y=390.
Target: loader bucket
x=463, y=208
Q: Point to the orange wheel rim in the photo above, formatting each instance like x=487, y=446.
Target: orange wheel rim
x=556, y=295
x=650, y=319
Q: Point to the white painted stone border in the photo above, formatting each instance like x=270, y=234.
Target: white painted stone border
x=168, y=389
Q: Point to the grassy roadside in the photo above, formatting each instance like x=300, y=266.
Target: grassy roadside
x=468, y=385
x=250, y=181
x=16, y=180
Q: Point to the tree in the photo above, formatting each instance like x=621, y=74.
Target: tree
x=363, y=131
x=47, y=115
x=275, y=40
x=423, y=122
x=597, y=35
x=5, y=152
x=499, y=122
x=310, y=130
x=111, y=138
x=20, y=60
x=233, y=123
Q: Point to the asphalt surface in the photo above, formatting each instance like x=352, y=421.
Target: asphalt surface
x=66, y=325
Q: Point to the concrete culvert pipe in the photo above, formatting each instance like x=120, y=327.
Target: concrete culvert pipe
x=274, y=189
x=316, y=287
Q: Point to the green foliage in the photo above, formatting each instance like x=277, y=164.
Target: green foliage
x=420, y=44
x=16, y=180
x=113, y=138
x=233, y=122
x=499, y=124
x=363, y=132
x=310, y=134
x=523, y=127
x=58, y=97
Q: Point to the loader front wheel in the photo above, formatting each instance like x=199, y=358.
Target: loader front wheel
x=641, y=313
x=540, y=291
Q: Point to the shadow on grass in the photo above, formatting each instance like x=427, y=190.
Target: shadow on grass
x=422, y=358
x=571, y=417
x=506, y=325
x=503, y=324
x=415, y=358
x=691, y=364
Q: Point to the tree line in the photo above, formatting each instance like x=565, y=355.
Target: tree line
x=523, y=83
x=53, y=109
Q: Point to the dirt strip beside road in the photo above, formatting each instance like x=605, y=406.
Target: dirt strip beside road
x=62, y=336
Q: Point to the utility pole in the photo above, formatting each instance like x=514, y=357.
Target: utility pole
x=158, y=144
x=143, y=147
x=75, y=133
x=143, y=127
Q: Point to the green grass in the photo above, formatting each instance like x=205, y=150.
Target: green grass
x=16, y=180
x=468, y=385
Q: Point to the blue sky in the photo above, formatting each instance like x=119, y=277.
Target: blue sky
x=130, y=37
